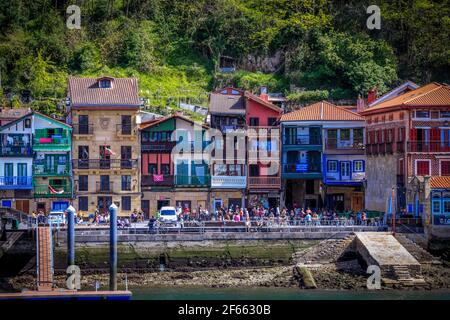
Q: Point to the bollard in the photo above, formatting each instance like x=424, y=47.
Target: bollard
x=70, y=236
x=113, y=247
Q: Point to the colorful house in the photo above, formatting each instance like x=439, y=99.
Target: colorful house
x=323, y=161
x=104, y=115
x=35, y=165
x=173, y=168
x=263, y=144
x=408, y=151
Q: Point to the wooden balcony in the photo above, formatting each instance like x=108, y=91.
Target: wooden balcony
x=41, y=168
x=46, y=191
x=229, y=182
x=428, y=146
x=154, y=180
x=164, y=146
x=264, y=182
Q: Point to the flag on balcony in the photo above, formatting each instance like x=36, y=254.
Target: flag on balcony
x=158, y=178
x=54, y=191
x=108, y=151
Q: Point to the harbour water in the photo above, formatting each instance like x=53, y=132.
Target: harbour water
x=264, y=293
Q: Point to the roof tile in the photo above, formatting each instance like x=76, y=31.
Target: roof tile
x=440, y=182
x=322, y=111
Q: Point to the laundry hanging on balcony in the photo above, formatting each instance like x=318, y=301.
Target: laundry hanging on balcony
x=108, y=151
x=158, y=178
x=54, y=191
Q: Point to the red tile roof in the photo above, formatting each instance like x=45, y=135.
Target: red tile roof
x=431, y=95
x=85, y=92
x=255, y=98
x=322, y=111
x=440, y=182
x=151, y=123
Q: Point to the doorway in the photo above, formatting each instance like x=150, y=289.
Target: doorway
x=357, y=202
x=103, y=204
x=23, y=205
x=145, y=206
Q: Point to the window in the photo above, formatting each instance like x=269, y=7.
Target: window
x=104, y=183
x=105, y=83
x=235, y=170
x=345, y=134
x=126, y=203
x=27, y=123
x=422, y=167
x=358, y=135
x=165, y=169
x=401, y=134
x=83, y=203
x=422, y=114
x=83, y=152
x=332, y=166
x=445, y=114
x=436, y=206
x=126, y=183
x=445, y=167
x=271, y=121
x=446, y=206
x=254, y=122
x=152, y=168
x=126, y=124
x=83, y=184
x=358, y=165
x=254, y=170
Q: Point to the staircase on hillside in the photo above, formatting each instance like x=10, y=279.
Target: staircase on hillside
x=44, y=259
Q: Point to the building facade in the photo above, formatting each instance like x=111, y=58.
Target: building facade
x=106, y=149
x=408, y=151
x=323, y=161
x=35, y=170
x=174, y=170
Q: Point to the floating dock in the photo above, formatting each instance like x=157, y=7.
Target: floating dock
x=67, y=295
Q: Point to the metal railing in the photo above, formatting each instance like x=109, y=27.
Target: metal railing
x=16, y=151
x=301, y=168
x=16, y=182
x=105, y=164
x=164, y=180
x=43, y=168
x=83, y=129
x=46, y=191
x=158, y=146
x=104, y=187
x=264, y=182
x=303, y=140
x=335, y=144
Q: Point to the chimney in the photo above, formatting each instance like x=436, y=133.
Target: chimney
x=371, y=96
x=360, y=104
x=263, y=94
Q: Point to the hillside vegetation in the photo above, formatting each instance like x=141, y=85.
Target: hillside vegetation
x=174, y=47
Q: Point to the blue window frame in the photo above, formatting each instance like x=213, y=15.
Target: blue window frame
x=6, y=203
x=359, y=166
x=60, y=205
x=446, y=206
x=436, y=206
x=332, y=166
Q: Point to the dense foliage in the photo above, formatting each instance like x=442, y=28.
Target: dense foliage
x=174, y=46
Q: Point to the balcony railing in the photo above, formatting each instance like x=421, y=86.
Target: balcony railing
x=104, y=187
x=301, y=168
x=305, y=140
x=428, y=146
x=105, y=164
x=333, y=144
x=157, y=180
x=158, y=146
x=16, y=151
x=192, y=181
x=264, y=130
x=229, y=182
x=42, y=169
x=124, y=129
x=83, y=129
x=15, y=183
x=51, y=143
x=52, y=191
x=264, y=182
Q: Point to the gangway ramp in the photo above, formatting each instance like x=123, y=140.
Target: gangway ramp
x=44, y=259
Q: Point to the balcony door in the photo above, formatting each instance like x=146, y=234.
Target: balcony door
x=22, y=174
x=332, y=138
x=126, y=124
x=83, y=124
x=125, y=156
x=105, y=157
x=182, y=176
x=9, y=174
x=345, y=170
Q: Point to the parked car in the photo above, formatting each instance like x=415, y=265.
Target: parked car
x=168, y=215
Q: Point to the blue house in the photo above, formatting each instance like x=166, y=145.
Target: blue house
x=323, y=160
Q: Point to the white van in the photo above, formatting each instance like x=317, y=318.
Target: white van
x=168, y=215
